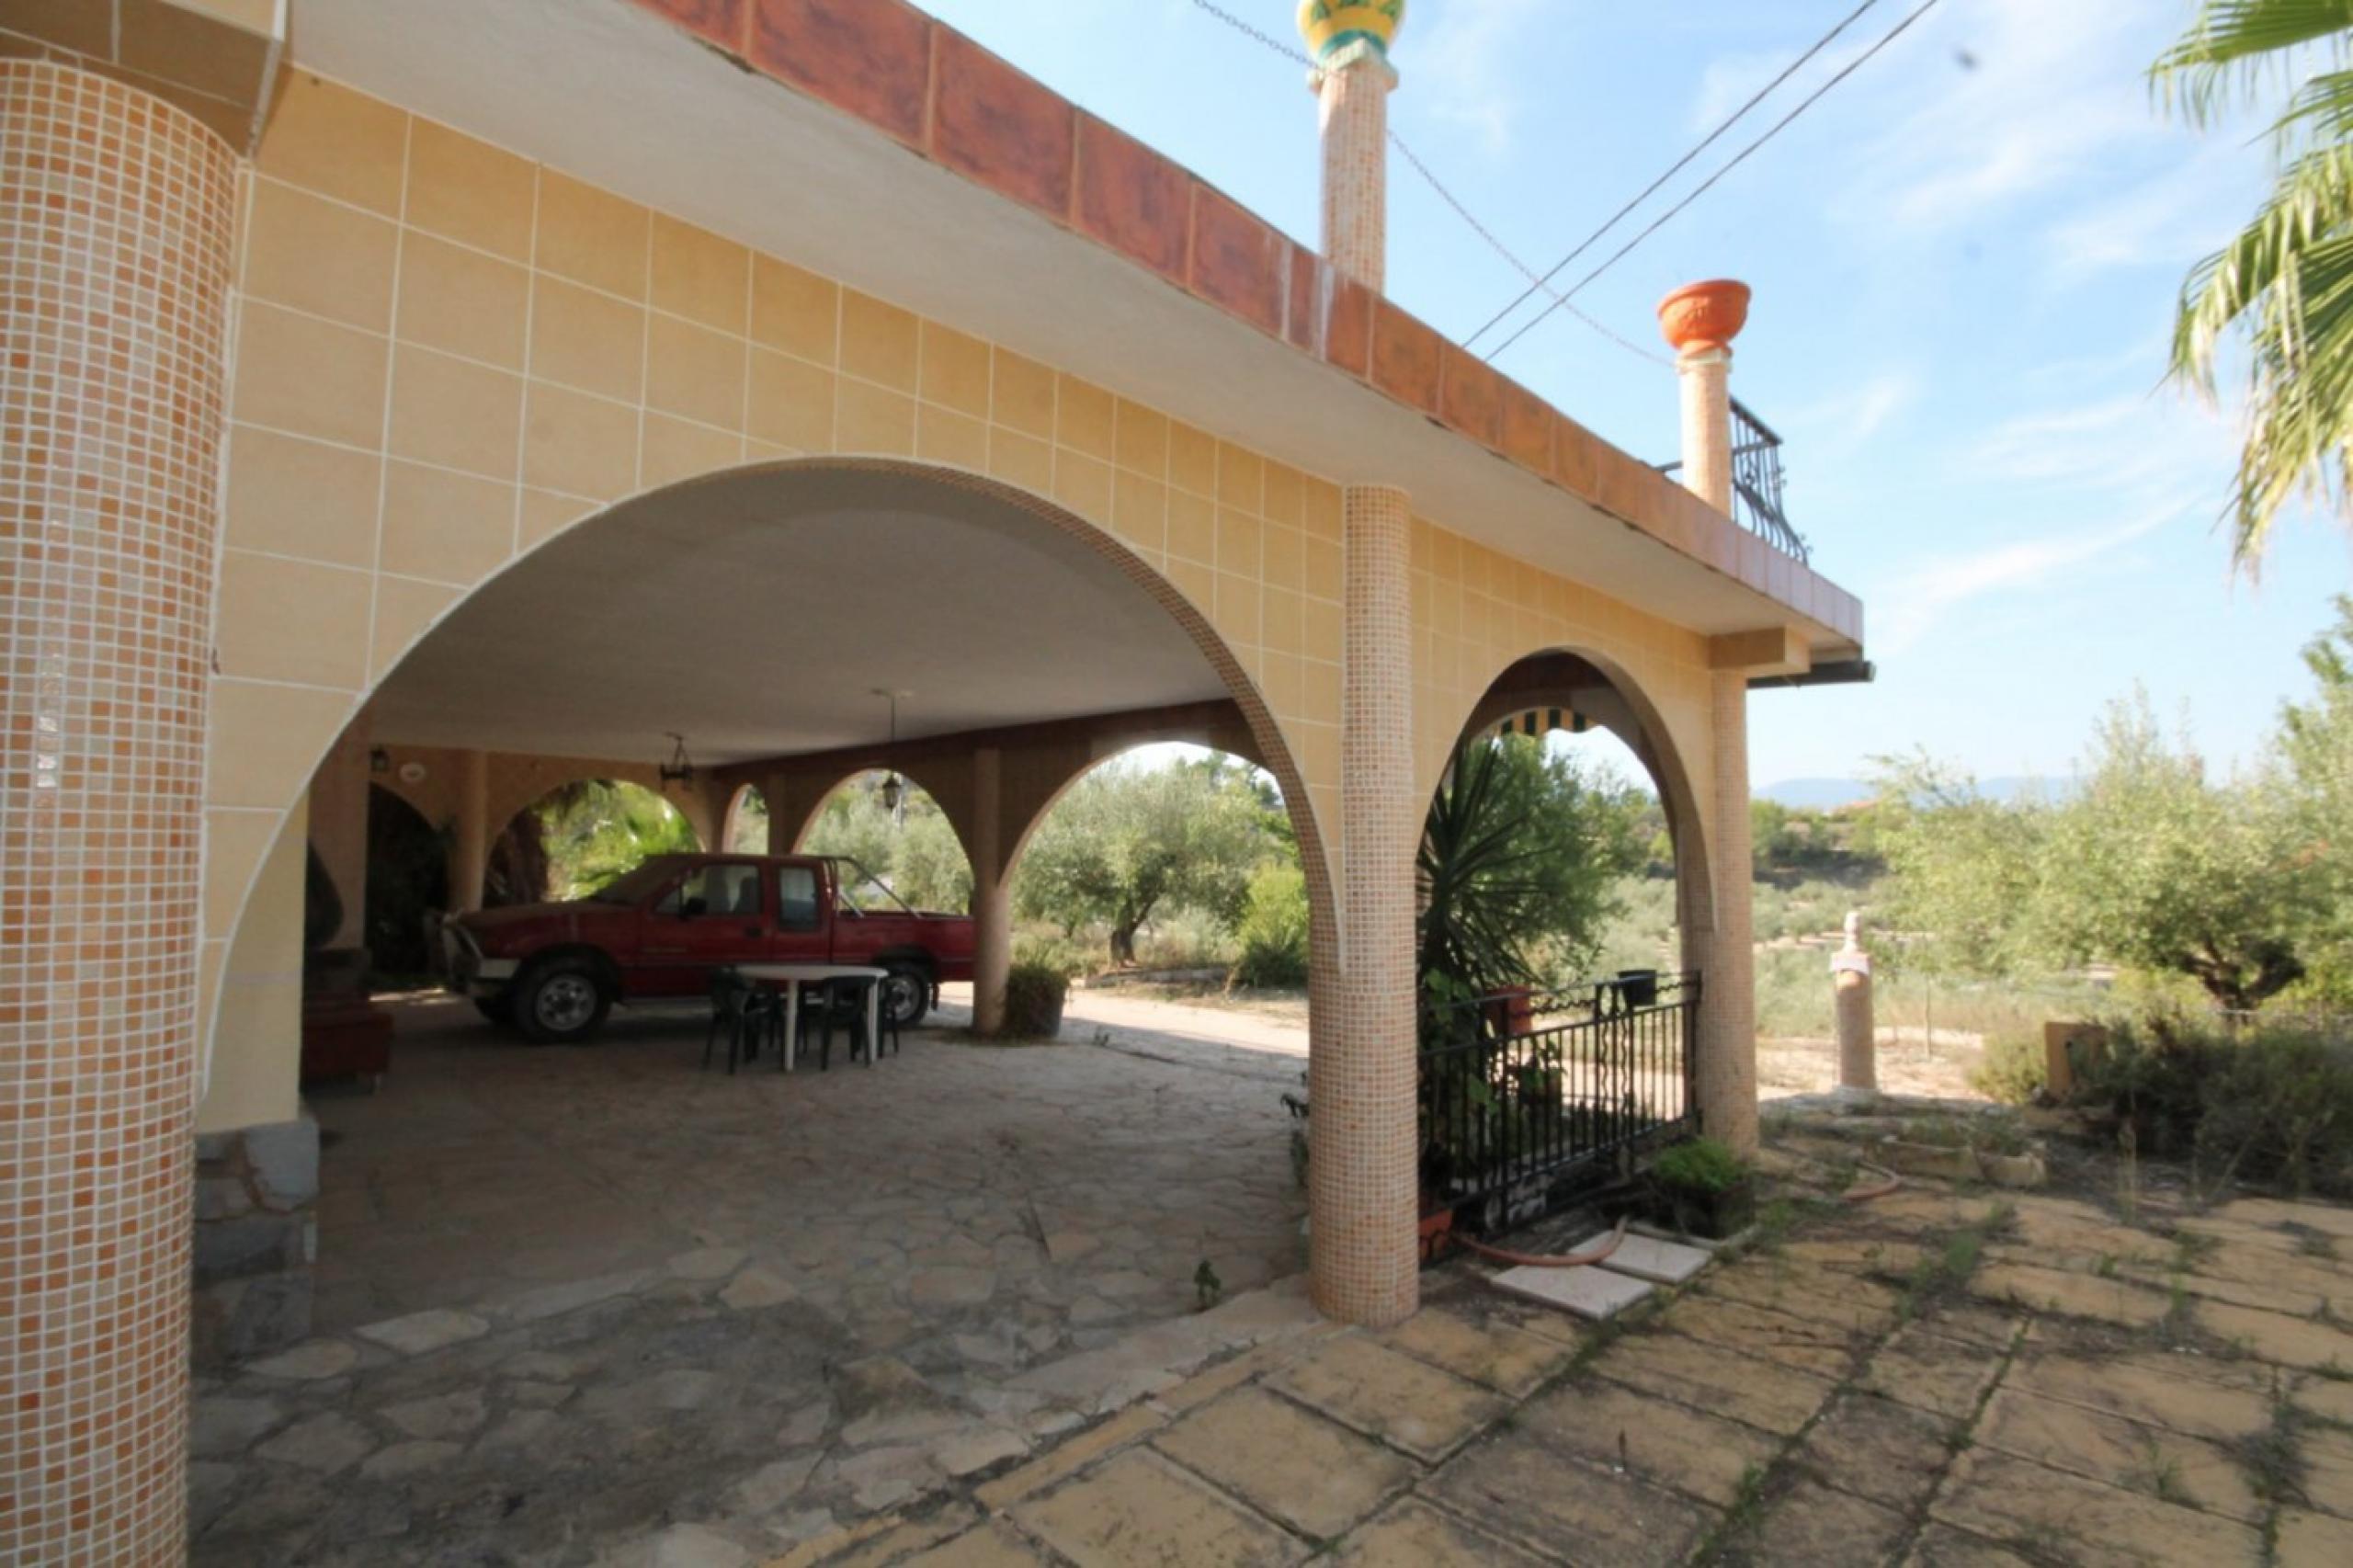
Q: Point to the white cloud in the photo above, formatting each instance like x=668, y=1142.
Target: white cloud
x=2166, y=222
x=1464, y=60
x=1854, y=414
x=1908, y=610
x=1990, y=102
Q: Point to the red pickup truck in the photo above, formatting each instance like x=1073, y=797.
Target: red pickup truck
x=554, y=970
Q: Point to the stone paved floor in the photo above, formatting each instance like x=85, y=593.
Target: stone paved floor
x=1936, y=1378
x=568, y=1296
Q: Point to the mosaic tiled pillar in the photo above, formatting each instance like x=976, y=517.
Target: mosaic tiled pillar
x=115, y=229
x=1361, y=1191
x=992, y=894
x=1727, y=1066
x=1353, y=110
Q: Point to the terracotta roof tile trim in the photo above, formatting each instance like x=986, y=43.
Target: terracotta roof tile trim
x=946, y=97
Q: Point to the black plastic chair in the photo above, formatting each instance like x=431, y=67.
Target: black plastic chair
x=839, y=1001
x=745, y=1012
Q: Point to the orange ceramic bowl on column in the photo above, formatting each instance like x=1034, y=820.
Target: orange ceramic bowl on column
x=1704, y=315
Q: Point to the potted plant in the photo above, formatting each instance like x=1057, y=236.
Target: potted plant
x=1034, y=995
x=1702, y=1189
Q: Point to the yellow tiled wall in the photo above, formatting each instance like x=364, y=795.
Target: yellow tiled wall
x=447, y=354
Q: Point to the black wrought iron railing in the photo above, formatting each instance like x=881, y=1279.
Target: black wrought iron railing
x=1757, y=483
x=1526, y=1090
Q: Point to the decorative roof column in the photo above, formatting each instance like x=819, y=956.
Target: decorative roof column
x=1352, y=79
x=1701, y=321
x=119, y=211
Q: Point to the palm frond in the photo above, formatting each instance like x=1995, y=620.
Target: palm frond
x=2233, y=44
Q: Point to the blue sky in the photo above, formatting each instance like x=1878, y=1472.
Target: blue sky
x=1965, y=259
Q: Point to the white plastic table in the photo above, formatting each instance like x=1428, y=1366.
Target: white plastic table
x=793, y=976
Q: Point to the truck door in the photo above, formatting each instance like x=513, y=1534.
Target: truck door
x=717, y=913
x=803, y=929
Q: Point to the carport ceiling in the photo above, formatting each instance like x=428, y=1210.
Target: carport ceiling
x=757, y=613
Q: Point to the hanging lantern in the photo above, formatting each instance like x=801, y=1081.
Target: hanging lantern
x=679, y=769
x=894, y=793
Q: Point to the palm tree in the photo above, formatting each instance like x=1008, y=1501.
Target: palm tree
x=2286, y=281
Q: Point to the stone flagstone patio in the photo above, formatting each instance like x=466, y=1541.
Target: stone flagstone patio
x=1937, y=1377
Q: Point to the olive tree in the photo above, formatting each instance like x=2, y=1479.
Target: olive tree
x=1126, y=842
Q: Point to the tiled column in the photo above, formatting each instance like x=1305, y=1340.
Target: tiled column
x=1728, y=982
x=1361, y=1179
x=992, y=894
x=1352, y=103
x=1701, y=323
x=470, y=848
x=1352, y=78
x=115, y=229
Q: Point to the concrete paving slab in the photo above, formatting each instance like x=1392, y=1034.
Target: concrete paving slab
x=1941, y=1546
x=994, y=1545
x=1649, y=1257
x=2071, y=1294
x=1705, y=1377
x=1313, y=1474
x=1141, y=1511
x=1484, y=1349
x=1923, y=1369
x=1635, y=1434
x=1386, y=1394
x=1519, y=1487
x=2123, y=1453
x=1594, y=1293
x=1825, y=1349
x=2155, y=1389
x=2071, y=1519
x=2316, y=1538
x=1874, y=1448
x=2277, y=1337
x=1412, y=1534
x=1814, y=1525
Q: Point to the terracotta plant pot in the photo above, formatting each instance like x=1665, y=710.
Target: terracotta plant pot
x=1707, y=315
x=1436, y=1228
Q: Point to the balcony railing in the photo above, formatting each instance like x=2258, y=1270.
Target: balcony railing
x=1757, y=483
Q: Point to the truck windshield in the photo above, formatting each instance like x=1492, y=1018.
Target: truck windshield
x=634, y=886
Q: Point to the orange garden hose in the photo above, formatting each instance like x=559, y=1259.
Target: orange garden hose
x=1533, y=1260
x=1881, y=1189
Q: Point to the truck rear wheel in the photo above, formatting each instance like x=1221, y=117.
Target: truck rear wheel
x=906, y=994
x=560, y=1001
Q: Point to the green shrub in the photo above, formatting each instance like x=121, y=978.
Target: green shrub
x=1274, y=929
x=1034, y=994
x=2270, y=1104
x=1702, y=1165
x=2015, y=1070
x=1059, y=954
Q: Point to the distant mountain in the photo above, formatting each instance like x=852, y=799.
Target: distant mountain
x=1816, y=794
x=1829, y=794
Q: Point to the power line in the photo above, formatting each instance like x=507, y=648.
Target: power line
x=1518, y=265
x=1673, y=169
x=1704, y=185
x=1453, y=201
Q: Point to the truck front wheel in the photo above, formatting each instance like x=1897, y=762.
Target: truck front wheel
x=560, y=1001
